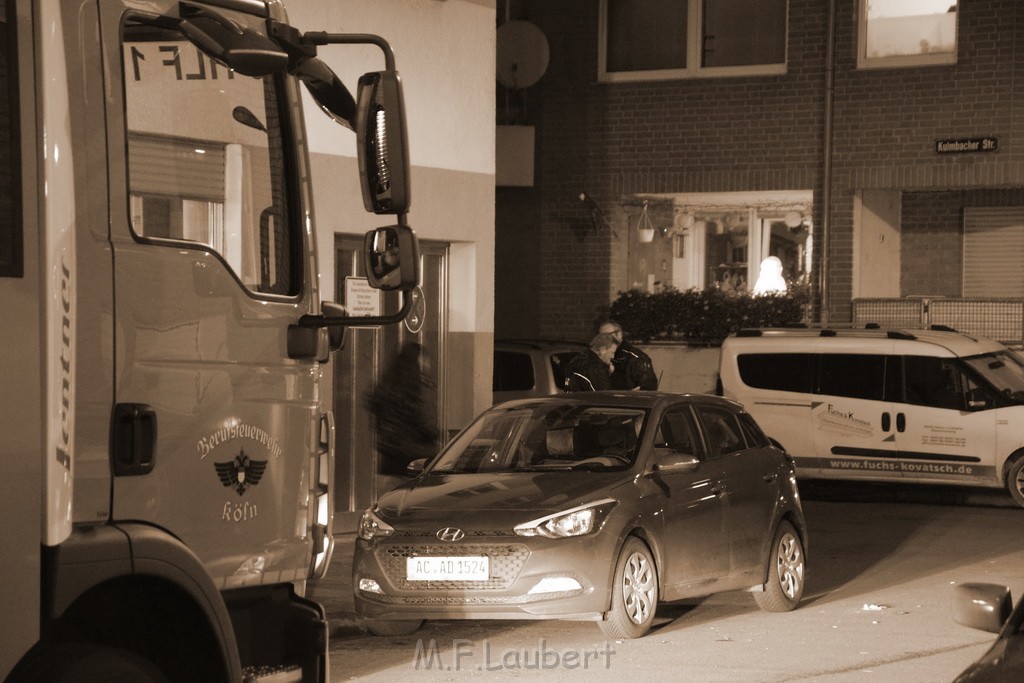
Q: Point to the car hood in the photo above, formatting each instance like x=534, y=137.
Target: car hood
x=485, y=498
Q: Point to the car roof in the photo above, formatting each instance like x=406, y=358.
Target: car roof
x=540, y=344
x=907, y=340
x=624, y=399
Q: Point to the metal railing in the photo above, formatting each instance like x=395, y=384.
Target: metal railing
x=999, y=319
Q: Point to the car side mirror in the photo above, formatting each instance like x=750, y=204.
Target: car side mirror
x=416, y=467
x=671, y=461
x=984, y=606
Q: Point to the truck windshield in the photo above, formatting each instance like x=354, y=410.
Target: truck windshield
x=549, y=435
x=206, y=159
x=1004, y=369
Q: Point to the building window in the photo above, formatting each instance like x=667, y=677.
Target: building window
x=659, y=39
x=897, y=33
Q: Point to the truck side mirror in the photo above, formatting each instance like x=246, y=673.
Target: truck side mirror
x=392, y=258
x=238, y=48
x=382, y=143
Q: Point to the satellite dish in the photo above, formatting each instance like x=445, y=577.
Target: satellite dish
x=522, y=54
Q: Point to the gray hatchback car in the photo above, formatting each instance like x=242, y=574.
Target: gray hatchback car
x=593, y=506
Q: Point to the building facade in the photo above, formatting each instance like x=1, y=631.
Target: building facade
x=873, y=146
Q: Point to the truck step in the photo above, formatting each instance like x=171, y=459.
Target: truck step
x=285, y=673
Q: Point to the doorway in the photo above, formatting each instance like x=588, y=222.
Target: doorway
x=367, y=353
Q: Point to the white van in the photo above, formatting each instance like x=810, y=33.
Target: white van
x=923, y=406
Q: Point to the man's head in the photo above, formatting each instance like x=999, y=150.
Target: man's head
x=604, y=346
x=609, y=326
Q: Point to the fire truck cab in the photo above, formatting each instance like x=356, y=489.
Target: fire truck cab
x=166, y=460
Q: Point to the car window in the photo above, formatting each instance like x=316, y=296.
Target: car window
x=678, y=432
x=721, y=430
x=559, y=363
x=545, y=435
x=752, y=431
x=512, y=371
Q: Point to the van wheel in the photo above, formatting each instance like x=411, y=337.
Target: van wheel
x=786, y=570
x=634, y=593
x=1015, y=481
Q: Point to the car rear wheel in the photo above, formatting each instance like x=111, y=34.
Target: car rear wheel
x=397, y=627
x=786, y=569
x=634, y=592
x=1015, y=481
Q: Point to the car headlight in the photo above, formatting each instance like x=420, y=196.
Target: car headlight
x=578, y=521
x=371, y=526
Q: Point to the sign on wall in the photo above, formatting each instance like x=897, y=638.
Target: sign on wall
x=966, y=145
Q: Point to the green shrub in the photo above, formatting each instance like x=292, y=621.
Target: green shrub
x=702, y=316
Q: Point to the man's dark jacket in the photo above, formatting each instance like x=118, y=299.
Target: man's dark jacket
x=633, y=369
x=587, y=372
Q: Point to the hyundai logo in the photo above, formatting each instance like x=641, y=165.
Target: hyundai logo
x=450, y=533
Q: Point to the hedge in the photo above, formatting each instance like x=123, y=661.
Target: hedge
x=701, y=316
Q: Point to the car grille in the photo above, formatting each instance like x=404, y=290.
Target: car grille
x=506, y=561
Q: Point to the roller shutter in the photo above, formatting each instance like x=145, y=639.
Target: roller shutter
x=993, y=252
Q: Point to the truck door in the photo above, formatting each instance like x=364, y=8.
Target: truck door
x=213, y=424
x=853, y=417
x=939, y=436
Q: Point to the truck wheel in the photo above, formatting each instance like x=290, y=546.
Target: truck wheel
x=1015, y=481
x=73, y=662
x=397, y=627
x=786, y=568
x=634, y=593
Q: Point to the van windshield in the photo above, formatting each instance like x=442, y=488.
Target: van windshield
x=1004, y=369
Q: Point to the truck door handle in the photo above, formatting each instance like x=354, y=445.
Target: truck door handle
x=133, y=439
x=886, y=422
x=901, y=422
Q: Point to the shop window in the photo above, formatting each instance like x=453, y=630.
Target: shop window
x=656, y=39
x=897, y=33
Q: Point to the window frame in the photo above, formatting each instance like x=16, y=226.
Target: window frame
x=12, y=258
x=290, y=185
x=901, y=61
x=694, y=49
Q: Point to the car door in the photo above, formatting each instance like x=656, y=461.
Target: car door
x=939, y=436
x=749, y=480
x=694, y=534
x=853, y=417
x=210, y=269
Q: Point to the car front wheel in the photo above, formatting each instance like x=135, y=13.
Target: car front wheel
x=634, y=593
x=786, y=572
x=1015, y=481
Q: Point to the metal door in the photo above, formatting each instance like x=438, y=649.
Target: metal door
x=367, y=353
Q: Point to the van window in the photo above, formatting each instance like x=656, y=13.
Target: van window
x=933, y=382
x=206, y=159
x=778, y=371
x=852, y=375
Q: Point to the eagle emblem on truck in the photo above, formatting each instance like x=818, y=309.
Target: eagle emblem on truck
x=240, y=473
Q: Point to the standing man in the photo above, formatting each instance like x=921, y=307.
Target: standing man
x=633, y=367
x=591, y=370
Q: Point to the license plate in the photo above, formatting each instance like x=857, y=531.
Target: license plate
x=447, y=568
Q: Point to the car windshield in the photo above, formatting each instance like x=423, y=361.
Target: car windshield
x=1004, y=369
x=549, y=435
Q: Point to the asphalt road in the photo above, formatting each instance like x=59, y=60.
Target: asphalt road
x=882, y=563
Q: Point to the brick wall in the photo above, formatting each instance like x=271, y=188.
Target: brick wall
x=616, y=140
